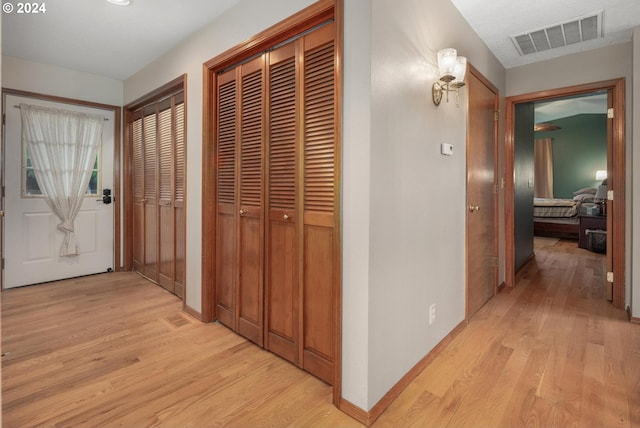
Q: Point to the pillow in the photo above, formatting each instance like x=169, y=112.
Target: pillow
x=584, y=197
x=587, y=190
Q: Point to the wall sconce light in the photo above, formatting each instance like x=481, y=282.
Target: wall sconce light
x=601, y=174
x=452, y=69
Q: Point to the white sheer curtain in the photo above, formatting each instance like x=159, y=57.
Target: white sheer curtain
x=62, y=146
x=543, y=168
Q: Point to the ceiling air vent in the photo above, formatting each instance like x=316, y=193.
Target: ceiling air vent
x=576, y=30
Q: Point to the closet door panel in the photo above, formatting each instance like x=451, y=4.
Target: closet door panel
x=319, y=135
x=179, y=196
x=226, y=249
x=282, y=293
x=138, y=192
x=319, y=302
x=282, y=306
x=251, y=235
x=150, y=268
x=166, y=229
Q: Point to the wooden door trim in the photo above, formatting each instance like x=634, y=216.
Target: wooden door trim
x=315, y=14
x=117, y=113
x=496, y=106
x=616, y=146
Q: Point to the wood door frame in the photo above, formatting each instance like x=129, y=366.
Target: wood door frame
x=117, y=113
x=615, y=146
x=496, y=105
x=306, y=19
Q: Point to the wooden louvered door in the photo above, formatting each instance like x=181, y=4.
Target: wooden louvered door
x=170, y=146
x=138, y=192
x=150, y=192
x=282, y=294
x=250, y=302
x=226, y=249
x=318, y=238
x=276, y=278
x=166, y=218
x=157, y=136
x=179, y=189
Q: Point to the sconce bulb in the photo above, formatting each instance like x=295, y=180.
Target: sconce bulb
x=447, y=63
x=460, y=69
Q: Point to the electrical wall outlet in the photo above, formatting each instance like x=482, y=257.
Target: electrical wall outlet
x=432, y=313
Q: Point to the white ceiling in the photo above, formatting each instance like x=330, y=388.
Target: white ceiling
x=98, y=37
x=548, y=111
x=496, y=20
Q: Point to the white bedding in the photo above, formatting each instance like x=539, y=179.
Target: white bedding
x=555, y=208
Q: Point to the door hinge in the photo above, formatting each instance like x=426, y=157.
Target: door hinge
x=496, y=115
x=610, y=113
x=610, y=195
x=4, y=118
x=609, y=276
x=495, y=262
x=495, y=189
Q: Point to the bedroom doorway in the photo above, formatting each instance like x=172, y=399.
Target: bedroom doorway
x=520, y=118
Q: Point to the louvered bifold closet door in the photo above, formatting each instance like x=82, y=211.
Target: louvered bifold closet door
x=150, y=199
x=137, y=145
x=319, y=237
x=179, y=189
x=250, y=303
x=281, y=291
x=226, y=210
x=166, y=218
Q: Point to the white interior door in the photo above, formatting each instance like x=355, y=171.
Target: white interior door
x=31, y=239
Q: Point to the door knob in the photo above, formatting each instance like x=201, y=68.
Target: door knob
x=243, y=212
x=474, y=208
x=286, y=217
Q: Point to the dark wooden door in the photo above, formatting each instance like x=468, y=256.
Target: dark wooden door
x=318, y=238
x=226, y=210
x=482, y=248
x=250, y=300
x=150, y=198
x=282, y=294
x=166, y=215
x=276, y=276
x=179, y=190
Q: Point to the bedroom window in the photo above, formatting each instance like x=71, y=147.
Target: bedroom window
x=31, y=189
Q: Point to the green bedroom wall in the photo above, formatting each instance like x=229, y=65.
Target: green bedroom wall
x=579, y=149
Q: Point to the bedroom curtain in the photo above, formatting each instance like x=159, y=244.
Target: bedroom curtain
x=62, y=147
x=543, y=168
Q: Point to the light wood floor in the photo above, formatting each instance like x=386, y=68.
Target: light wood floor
x=114, y=350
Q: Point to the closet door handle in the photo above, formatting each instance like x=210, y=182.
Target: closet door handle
x=168, y=203
x=286, y=217
x=474, y=208
x=243, y=212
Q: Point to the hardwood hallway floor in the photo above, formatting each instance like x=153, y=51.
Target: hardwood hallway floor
x=114, y=350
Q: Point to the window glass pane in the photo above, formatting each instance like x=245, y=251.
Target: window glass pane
x=92, y=189
x=31, y=187
x=31, y=184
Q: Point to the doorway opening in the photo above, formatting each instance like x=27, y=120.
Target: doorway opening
x=519, y=127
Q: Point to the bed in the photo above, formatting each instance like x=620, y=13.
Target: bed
x=558, y=218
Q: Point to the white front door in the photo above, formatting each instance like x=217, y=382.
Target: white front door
x=31, y=238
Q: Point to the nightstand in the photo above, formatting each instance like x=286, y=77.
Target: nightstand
x=590, y=222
